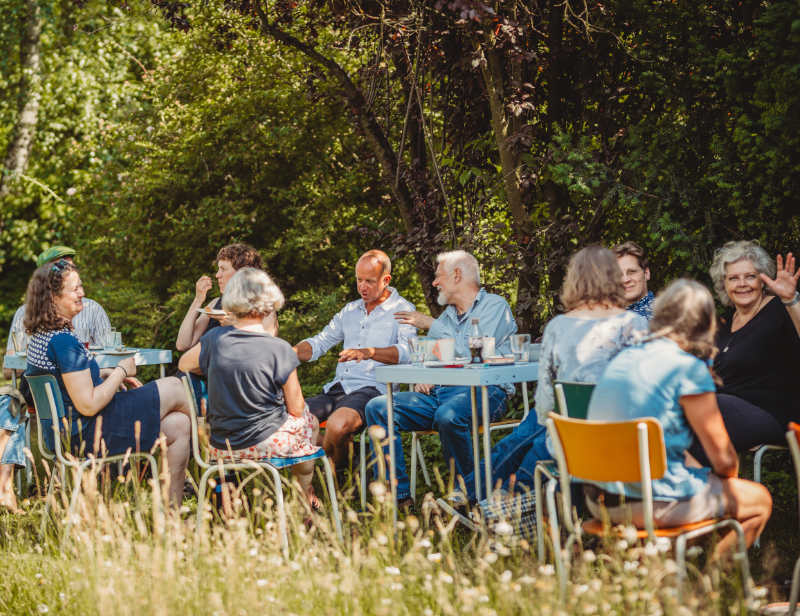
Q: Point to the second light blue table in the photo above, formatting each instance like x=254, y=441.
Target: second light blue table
x=472, y=376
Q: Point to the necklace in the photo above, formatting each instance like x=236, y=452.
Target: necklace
x=733, y=333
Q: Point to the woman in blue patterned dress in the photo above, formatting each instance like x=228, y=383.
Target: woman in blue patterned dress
x=99, y=412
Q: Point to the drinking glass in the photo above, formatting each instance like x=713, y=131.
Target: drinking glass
x=118, y=341
x=108, y=339
x=519, y=346
x=417, y=347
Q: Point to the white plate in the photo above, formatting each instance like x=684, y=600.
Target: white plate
x=211, y=312
x=444, y=364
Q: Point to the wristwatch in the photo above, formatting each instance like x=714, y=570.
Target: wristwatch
x=794, y=300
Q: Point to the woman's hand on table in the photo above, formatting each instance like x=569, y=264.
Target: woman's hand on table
x=201, y=288
x=785, y=283
x=415, y=318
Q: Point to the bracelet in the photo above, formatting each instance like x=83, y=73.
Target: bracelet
x=794, y=300
x=121, y=367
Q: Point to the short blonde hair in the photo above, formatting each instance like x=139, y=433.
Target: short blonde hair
x=593, y=276
x=381, y=257
x=251, y=292
x=731, y=252
x=685, y=312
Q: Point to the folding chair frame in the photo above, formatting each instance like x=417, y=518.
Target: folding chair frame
x=268, y=466
x=49, y=405
x=575, y=529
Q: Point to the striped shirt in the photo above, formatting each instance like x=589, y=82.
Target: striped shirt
x=92, y=317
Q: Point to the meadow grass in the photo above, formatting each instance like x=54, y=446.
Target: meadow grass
x=124, y=557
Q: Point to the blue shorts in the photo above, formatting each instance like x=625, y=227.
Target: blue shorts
x=13, y=453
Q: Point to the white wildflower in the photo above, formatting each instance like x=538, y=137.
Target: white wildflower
x=547, y=569
x=392, y=570
x=621, y=545
x=589, y=556
x=446, y=578
x=425, y=543
x=650, y=549
x=396, y=586
x=630, y=565
x=503, y=528
x=629, y=534
x=382, y=539
x=71, y=191
x=38, y=576
x=663, y=544
x=42, y=608
x=506, y=576
x=261, y=582
x=694, y=551
x=759, y=592
x=490, y=558
x=377, y=489
x=435, y=557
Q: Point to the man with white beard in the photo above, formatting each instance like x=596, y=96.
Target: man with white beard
x=448, y=408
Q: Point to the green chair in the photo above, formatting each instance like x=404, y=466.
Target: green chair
x=572, y=400
x=50, y=407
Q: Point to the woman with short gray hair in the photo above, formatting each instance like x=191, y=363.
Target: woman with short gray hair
x=256, y=408
x=759, y=344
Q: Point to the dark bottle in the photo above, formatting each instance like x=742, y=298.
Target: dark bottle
x=476, y=343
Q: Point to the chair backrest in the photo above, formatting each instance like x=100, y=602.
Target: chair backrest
x=193, y=415
x=793, y=439
x=572, y=399
x=609, y=450
x=49, y=407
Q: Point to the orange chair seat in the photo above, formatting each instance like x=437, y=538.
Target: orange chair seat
x=595, y=527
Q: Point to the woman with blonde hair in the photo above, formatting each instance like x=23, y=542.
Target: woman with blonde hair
x=668, y=377
x=256, y=408
x=577, y=346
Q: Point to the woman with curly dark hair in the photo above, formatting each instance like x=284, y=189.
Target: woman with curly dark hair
x=197, y=321
x=95, y=406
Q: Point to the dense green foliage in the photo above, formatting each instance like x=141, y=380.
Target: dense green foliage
x=167, y=131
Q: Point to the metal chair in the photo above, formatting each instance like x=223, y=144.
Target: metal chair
x=625, y=451
x=789, y=608
x=269, y=466
x=572, y=400
x=50, y=407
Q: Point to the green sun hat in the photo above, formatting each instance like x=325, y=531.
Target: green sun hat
x=53, y=253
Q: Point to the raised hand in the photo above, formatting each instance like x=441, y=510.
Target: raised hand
x=201, y=288
x=785, y=283
x=415, y=318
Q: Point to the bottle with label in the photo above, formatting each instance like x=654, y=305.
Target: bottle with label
x=476, y=343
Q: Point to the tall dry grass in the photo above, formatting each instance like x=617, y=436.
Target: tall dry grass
x=124, y=557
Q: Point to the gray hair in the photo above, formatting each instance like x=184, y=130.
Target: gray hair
x=250, y=291
x=731, y=252
x=470, y=270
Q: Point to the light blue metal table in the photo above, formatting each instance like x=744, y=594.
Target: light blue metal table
x=472, y=376
x=143, y=357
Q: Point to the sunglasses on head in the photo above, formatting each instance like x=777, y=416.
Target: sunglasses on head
x=59, y=265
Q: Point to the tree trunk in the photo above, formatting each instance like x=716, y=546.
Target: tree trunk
x=411, y=194
x=19, y=148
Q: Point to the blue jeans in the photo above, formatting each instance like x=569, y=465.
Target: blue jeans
x=446, y=409
x=13, y=452
x=517, y=454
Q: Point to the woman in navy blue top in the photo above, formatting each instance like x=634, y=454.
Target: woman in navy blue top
x=95, y=405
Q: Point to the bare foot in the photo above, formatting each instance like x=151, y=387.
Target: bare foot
x=9, y=501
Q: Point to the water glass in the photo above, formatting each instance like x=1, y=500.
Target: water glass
x=417, y=348
x=108, y=339
x=519, y=346
x=118, y=341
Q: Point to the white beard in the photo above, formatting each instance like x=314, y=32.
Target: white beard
x=442, y=299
